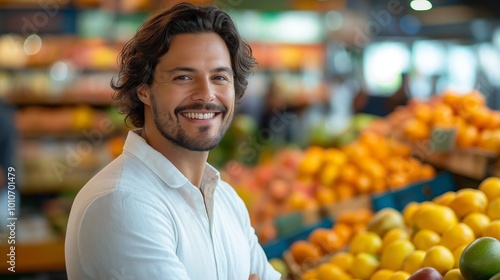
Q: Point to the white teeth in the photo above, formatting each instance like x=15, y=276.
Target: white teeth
x=199, y=116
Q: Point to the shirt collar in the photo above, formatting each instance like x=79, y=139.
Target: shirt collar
x=160, y=165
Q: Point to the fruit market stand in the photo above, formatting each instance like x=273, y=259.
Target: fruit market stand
x=426, y=149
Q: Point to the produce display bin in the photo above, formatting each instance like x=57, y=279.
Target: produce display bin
x=418, y=192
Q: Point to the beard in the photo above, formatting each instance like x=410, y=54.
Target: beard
x=171, y=129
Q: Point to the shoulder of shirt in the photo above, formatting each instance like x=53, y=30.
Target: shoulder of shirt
x=117, y=177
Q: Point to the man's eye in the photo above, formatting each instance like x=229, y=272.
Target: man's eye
x=182, y=78
x=221, y=78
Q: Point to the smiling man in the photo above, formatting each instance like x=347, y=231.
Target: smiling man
x=159, y=210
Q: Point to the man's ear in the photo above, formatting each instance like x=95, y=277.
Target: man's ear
x=144, y=94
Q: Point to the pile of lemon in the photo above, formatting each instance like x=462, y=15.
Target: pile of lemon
x=432, y=234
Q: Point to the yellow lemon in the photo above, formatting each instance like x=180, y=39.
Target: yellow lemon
x=425, y=239
x=477, y=222
x=445, y=199
x=382, y=274
x=457, y=235
x=343, y=260
x=393, y=235
x=493, y=210
x=468, y=201
x=490, y=187
x=440, y=258
x=400, y=275
x=395, y=253
x=414, y=261
x=435, y=217
x=366, y=242
x=453, y=274
x=408, y=212
x=493, y=230
x=457, y=252
x=326, y=271
x=365, y=264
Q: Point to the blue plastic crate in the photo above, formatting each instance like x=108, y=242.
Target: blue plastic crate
x=418, y=192
x=275, y=249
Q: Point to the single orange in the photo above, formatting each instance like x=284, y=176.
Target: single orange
x=304, y=252
x=480, y=117
x=325, y=239
x=416, y=129
x=349, y=173
x=325, y=195
x=442, y=115
x=344, y=191
x=329, y=174
x=423, y=112
x=427, y=172
x=344, y=231
x=467, y=136
x=363, y=184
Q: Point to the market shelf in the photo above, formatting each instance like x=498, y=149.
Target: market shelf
x=35, y=257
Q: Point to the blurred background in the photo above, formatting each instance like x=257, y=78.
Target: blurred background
x=326, y=68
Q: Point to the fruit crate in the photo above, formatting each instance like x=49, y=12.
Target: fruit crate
x=473, y=163
x=397, y=199
x=419, y=192
x=276, y=248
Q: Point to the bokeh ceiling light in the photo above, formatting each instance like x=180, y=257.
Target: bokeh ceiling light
x=421, y=5
x=334, y=20
x=32, y=44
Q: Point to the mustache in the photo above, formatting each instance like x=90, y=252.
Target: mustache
x=201, y=106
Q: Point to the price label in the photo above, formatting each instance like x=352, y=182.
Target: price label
x=443, y=139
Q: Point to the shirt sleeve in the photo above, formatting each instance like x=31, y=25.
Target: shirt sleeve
x=126, y=237
x=259, y=263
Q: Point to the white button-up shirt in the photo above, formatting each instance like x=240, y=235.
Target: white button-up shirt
x=141, y=219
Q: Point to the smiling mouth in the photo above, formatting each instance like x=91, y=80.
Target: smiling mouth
x=199, y=116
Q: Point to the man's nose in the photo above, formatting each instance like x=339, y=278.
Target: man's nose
x=203, y=91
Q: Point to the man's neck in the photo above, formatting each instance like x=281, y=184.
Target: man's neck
x=190, y=163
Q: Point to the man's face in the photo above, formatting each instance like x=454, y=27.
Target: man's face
x=192, y=95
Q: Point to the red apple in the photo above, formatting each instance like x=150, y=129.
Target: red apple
x=426, y=273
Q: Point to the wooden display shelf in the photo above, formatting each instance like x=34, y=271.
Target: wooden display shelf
x=36, y=257
x=28, y=99
x=472, y=163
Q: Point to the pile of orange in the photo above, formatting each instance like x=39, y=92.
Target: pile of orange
x=301, y=180
x=371, y=164
x=477, y=125
x=435, y=235
x=324, y=241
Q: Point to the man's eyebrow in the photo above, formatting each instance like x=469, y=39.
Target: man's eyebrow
x=179, y=69
x=192, y=70
x=224, y=69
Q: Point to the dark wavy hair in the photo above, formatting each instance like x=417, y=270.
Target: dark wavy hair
x=140, y=55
